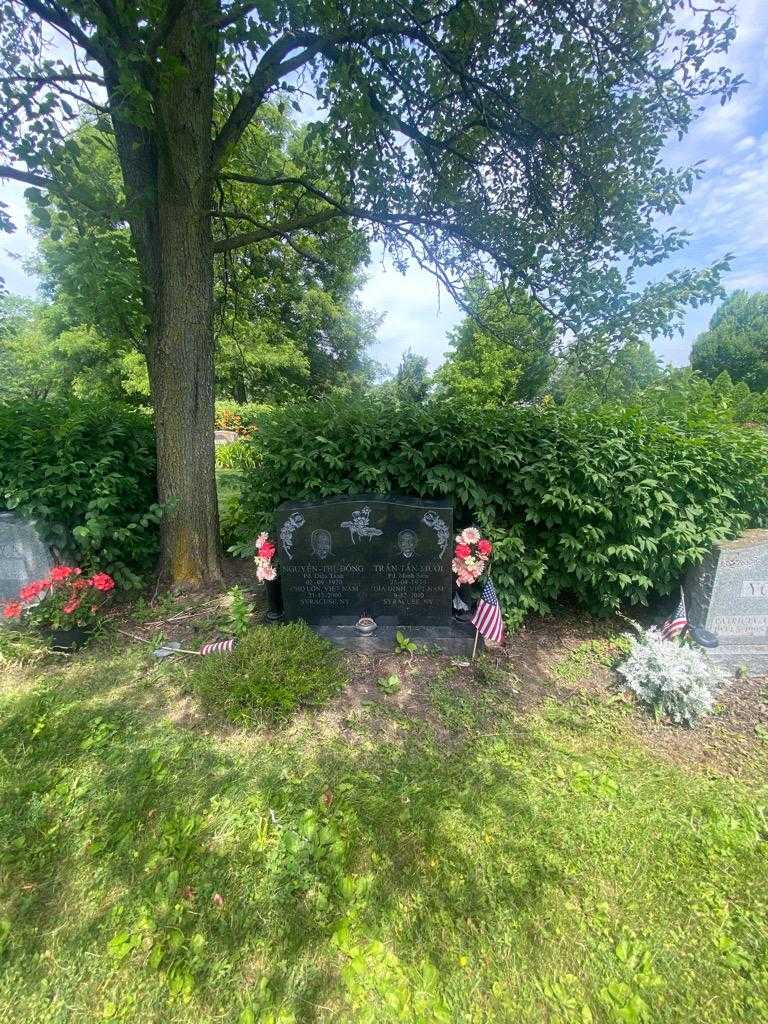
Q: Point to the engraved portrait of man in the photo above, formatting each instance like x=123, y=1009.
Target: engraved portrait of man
x=321, y=543
x=407, y=542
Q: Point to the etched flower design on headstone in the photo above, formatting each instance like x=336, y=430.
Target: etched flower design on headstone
x=289, y=527
x=434, y=522
x=359, y=525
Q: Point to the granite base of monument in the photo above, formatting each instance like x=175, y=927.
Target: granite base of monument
x=457, y=638
x=727, y=594
x=751, y=659
x=381, y=557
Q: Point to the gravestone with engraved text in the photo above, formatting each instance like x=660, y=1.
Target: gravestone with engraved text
x=23, y=555
x=727, y=594
x=385, y=557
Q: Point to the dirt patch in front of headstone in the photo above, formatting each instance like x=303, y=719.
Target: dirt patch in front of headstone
x=566, y=658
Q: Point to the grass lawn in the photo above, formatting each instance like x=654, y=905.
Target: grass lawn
x=449, y=852
x=228, y=485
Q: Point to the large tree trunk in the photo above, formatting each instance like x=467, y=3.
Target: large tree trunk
x=181, y=376
x=171, y=228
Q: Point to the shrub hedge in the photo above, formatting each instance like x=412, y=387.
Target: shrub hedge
x=606, y=506
x=85, y=473
x=242, y=417
x=237, y=455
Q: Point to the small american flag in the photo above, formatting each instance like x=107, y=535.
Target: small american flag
x=677, y=623
x=487, y=618
x=218, y=647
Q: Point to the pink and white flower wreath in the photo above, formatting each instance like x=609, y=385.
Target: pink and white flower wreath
x=471, y=555
x=265, y=552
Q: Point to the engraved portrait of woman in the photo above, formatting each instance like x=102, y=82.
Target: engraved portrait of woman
x=321, y=543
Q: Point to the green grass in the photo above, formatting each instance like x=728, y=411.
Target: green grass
x=229, y=483
x=273, y=671
x=540, y=868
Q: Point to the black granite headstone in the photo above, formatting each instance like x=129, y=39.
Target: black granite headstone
x=385, y=557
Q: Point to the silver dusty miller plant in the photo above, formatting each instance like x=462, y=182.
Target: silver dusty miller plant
x=673, y=680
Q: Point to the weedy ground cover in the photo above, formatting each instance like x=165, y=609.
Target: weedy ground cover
x=540, y=863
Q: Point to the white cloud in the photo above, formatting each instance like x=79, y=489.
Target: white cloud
x=16, y=247
x=727, y=211
x=418, y=314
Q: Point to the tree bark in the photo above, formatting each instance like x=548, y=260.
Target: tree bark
x=182, y=382
x=172, y=231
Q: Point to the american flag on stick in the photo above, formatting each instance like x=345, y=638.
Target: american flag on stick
x=677, y=623
x=218, y=647
x=487, y=619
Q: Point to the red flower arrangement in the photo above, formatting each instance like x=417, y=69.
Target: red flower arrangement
x=265, y=552
x=470, y=556
x=61, y=600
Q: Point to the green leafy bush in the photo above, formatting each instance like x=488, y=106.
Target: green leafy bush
x=604, y=506
x=244, y=417
x=236, y=455
x=684, y=397
x=85, y=473
x=273, y=671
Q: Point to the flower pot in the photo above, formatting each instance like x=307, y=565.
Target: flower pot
x=274, y=600
x=66, y=639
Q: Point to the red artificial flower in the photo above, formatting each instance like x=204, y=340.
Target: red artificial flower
x=484, y=547
x=61, y=572
x=33, y=590
x=102, y=581
x=71, y=605
x=267, y=549
x=463, y=551
x=12, y=610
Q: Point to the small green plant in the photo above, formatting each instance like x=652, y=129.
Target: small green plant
x=239, y=612
x=273, y=671
x=388, y=684
x=237, y=455
x=581, y=661
x=403, y=645
x=20, y=647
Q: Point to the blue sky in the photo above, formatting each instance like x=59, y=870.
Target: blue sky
x=728, y=212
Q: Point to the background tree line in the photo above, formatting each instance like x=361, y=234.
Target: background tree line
x=525, y=143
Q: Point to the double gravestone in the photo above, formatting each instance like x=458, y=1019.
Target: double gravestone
x=386, y=558
x=727, y=594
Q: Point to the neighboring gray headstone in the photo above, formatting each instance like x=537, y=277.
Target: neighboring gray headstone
x=728, y=595
x=23, y=555
x=224, y=436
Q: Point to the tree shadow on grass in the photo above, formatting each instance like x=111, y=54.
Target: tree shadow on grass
x=115, y=823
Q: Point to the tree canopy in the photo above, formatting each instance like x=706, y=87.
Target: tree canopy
x=285, y=320
x=590, y=374
x=520, y=140
x=502, y=352
x=736, y=342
